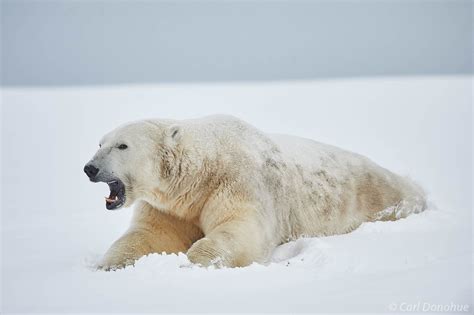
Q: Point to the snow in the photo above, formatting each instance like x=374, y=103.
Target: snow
x=55, y=226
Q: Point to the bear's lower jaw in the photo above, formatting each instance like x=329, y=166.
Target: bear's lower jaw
x=117, y=197
x=115, y=205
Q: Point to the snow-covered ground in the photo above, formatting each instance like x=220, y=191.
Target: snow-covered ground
x=55, y=226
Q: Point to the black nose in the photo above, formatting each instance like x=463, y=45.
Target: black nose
x=91, y=170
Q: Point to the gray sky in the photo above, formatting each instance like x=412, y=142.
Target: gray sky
x=109, y=42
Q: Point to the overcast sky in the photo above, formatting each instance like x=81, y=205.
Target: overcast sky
x=109, y=42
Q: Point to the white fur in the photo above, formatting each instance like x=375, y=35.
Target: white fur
x=228, y=194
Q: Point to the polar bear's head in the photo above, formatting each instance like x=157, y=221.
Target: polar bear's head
x=128, y=160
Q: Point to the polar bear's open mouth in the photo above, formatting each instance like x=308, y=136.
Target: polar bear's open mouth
x=116, y=198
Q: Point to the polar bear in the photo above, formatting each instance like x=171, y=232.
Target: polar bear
x=227, y=194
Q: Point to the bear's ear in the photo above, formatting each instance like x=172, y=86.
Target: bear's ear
x=174, y=132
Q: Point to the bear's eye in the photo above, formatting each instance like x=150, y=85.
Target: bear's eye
x=122, y=146
x=100, y=145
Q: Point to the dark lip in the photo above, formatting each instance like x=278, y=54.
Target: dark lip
x=117, y=189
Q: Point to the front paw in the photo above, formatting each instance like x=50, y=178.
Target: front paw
x=114, y=263
x=205, y=253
